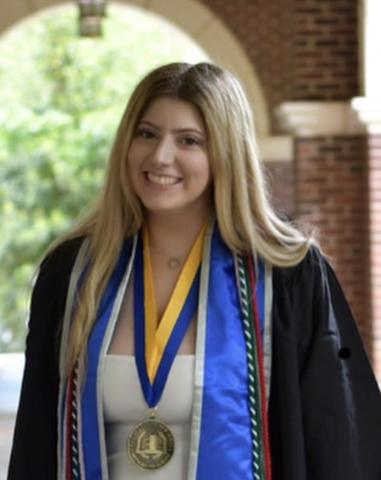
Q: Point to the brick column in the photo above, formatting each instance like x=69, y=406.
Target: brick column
x=331, y=193
x=331, y=186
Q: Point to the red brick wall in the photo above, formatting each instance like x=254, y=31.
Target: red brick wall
x=325, y=50
x=264, y=28
x=301, y=49
x=331, y=186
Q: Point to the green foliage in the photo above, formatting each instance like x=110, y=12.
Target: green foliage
x=60, y=101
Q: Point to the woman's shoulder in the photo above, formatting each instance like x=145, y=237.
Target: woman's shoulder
x=60, y=259
x=313, y=265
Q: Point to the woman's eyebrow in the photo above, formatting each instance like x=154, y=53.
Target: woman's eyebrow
x=175, y=130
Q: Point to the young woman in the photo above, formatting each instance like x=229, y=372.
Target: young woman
x=184, y=331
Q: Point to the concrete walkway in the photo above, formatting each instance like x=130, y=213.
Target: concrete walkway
x=6, y=433
x=11, y=368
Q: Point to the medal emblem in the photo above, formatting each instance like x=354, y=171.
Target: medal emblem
x=150, y=444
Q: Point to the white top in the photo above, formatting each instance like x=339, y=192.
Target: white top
x=124, y=407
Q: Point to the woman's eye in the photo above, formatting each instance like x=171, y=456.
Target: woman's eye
x=144, y=133
x=190, y=141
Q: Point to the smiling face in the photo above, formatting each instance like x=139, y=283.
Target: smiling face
x=168, y=161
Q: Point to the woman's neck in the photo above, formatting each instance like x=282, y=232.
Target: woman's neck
x=171, y=237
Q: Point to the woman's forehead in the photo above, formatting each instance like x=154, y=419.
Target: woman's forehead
x=174, y=113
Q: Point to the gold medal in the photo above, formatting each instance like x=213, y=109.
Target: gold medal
x=150, y=444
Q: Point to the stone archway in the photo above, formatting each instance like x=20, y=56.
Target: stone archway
x=195, y=19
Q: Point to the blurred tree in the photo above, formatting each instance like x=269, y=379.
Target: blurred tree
x=61, y=98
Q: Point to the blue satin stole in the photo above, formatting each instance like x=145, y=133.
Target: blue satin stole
x=225, y=447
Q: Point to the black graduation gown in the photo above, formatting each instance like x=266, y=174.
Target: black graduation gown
x=325, y=406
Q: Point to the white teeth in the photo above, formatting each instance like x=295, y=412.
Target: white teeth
x=162, y=179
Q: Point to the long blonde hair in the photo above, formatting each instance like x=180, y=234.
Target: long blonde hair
x=244, y=213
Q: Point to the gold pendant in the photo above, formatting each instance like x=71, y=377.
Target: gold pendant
x=150, y=444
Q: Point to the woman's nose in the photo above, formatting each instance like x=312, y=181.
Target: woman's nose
x=163, y=153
